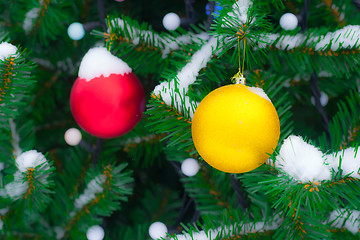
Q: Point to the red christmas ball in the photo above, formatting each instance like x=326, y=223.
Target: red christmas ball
x=107, y=107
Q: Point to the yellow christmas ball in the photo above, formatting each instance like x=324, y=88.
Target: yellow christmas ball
x=235, y=128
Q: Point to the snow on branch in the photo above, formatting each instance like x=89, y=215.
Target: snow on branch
x=30, y=18
x=6, y=50
x=340, y=218
x=345, y=218
x=176, y=89
x=31, y=159
x=94, y=187
x=15, y=189
x=15, y=139
x=22, y=185
x=166, y=43
x=239, y=11
x=233, y=230
x=305, y=163
x=344, y=38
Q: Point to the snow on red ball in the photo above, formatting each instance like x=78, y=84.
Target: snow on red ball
x=108, y=107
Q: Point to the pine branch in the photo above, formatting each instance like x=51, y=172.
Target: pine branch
x=343, y=126
x=166, y=120
x=272, y=85
x=334, y=10
x=138, y=43
x=30, y=189
x=15, y=83
x=239, y=193
x=230, y=229
x=109, y=188
x=156, y=203
x=304, y=206
x=5, y=146
x=209, y=192
x=141, y=145
x=47, y=13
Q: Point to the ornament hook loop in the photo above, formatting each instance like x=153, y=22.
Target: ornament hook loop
x=239, y=78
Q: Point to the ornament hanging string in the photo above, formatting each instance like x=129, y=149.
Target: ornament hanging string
x=239, y=76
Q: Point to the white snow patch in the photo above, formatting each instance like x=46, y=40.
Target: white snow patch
x=7, y=49
x=136, y=34
x=260, y=92
x=347, y=37
x=324, y=74
x=185, y=77
x=290, y=42
x=267, y=39
x=302, y=161
x=3, y=211
x=99, y=61
x=346, y=218
x=240, y=9
x=30, y=159
x=94, y=187
x=244, y=228
x=165, y=43
x=29, y=19
x=19, y=186
x=15, y=139
x=175, y=44
x=15, y=189
x=45, y=63
x=60, y=232
x=350, y=162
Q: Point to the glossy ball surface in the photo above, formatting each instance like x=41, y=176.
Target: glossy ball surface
x=108, y=107
x=234, y=129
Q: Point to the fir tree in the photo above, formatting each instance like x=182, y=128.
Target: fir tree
x=308, y=65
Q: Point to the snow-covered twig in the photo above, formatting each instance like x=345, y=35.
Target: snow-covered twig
x=94, y=187
x=344, y=38
x=176, y=89
x=15, y=139
x=305, y=163
x=6, y=50
x=164, y=42
x=236, y=229
x=25, y=162
x=345, y=218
